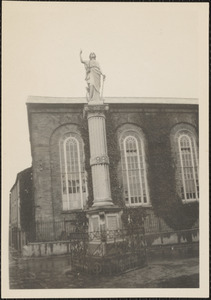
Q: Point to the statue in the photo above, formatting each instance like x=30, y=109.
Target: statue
x=93, y=77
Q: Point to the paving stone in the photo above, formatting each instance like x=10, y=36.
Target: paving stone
x=30, y=274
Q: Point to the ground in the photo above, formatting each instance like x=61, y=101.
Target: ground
x=56, y=272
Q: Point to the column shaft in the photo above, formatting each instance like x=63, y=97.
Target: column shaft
x=99, y=158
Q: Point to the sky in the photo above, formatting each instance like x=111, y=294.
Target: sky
x=145, y=50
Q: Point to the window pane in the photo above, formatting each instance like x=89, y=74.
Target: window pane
x=189, y=170
x=72, y=173
x=133, y=169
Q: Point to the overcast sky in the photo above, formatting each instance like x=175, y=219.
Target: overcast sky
x=145, y=50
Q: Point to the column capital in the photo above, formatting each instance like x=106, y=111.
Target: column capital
x=95, y=110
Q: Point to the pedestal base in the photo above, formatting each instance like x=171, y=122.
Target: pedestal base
x=109, y=248
x=111, y=265
x=104, y=202
x=102, y=219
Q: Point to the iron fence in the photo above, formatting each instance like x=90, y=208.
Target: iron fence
x=114, y=251
x=68, y=230
x=58, y=230
x=109, y=251
x=153, y=224
x=17, y=238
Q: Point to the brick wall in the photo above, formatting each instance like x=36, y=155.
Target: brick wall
x=48, y=122
x=166, y=118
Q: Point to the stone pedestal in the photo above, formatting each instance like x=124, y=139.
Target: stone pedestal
x=102, y=220
x=103, y=215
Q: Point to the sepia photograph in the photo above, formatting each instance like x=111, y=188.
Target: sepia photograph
x=105, y=149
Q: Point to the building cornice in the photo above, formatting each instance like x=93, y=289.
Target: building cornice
x=111, y=100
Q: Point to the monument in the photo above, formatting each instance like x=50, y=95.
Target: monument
x=103, y=215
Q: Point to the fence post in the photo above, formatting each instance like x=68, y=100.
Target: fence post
x=54, y=229
x=65, y=226
x=19, y=239
x=36, y=230
x=160, y=230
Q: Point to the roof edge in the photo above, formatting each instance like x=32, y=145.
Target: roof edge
x=111, y=100
x=18, y=175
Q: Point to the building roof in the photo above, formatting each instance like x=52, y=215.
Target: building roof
x=111, y=100
x=21, y=173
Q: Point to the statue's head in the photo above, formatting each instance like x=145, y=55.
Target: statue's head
x=92, y=55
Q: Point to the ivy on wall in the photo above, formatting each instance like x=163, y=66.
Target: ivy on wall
x=85, y=136
x=27, y=203
x=132, y=217
x=114, y=159
x=161, y=175
x=81, y=223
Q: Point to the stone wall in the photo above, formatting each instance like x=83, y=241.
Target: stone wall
x=173, y=239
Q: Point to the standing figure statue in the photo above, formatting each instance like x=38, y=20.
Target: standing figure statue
x=93, y=77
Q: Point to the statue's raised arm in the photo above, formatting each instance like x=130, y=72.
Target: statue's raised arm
x=93, y=77
x=81, y=59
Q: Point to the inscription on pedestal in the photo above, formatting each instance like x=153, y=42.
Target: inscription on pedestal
x=112, y=222
x=95, y=223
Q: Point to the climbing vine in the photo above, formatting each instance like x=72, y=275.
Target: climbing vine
x=114, y=159
x=165, y=200
x=81, y=222
x=85, y=136
x=27, y=203
x=132, y=217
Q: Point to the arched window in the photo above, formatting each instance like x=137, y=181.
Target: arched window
x=73, y=175
x=133, y=168
x=188, y=165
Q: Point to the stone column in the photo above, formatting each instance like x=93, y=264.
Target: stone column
x=103, y=215
x=99, y=160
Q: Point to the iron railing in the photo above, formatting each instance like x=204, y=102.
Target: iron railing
x=67, y=230
x=110, y=252
x=58, y=230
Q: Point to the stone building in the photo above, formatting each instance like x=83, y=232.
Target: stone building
x=138, y=153
x=21, y=209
